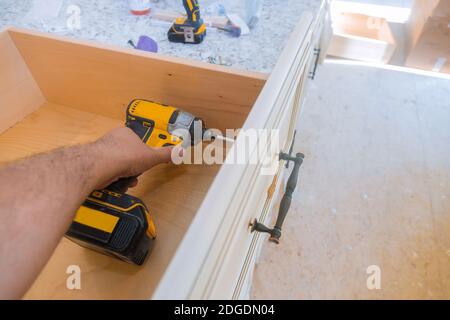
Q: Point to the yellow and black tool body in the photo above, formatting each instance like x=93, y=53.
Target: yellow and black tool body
x=160, y=125
x=191, y=29
x=113, y=222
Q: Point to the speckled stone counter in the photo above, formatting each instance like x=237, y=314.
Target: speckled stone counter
x=109, y=21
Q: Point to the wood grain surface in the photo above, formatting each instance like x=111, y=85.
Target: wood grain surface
x=173, y=194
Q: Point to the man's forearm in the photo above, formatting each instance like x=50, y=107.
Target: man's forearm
x=38, y=199
x=40, y=195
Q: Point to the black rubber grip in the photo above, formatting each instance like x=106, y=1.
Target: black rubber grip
x=121, y=185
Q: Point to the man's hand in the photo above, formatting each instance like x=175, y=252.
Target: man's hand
x=38, y=207
x=131, y=156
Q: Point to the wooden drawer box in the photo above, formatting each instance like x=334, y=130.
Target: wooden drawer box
x=57, y=92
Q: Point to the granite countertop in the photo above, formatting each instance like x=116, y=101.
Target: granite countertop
x=109, y=21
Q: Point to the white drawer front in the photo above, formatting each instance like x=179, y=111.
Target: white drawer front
x=216, y=254
x=316, y=52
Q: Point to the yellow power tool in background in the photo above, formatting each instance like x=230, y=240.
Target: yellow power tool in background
x=115, y=223
x=191, y=29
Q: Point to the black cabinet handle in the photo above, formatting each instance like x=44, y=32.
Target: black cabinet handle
x=312, y=74
x=275, y=233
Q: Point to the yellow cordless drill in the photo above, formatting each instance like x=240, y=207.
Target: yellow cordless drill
x=191, y=29
x=115, y=223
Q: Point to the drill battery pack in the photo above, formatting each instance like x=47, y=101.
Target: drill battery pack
x=115, y=224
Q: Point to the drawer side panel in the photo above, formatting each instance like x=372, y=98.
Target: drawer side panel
x=19, y=93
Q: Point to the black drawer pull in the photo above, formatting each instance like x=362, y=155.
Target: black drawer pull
x=312, y=74
x=275, y=233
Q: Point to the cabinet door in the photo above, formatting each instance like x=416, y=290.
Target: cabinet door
x=217, y=252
